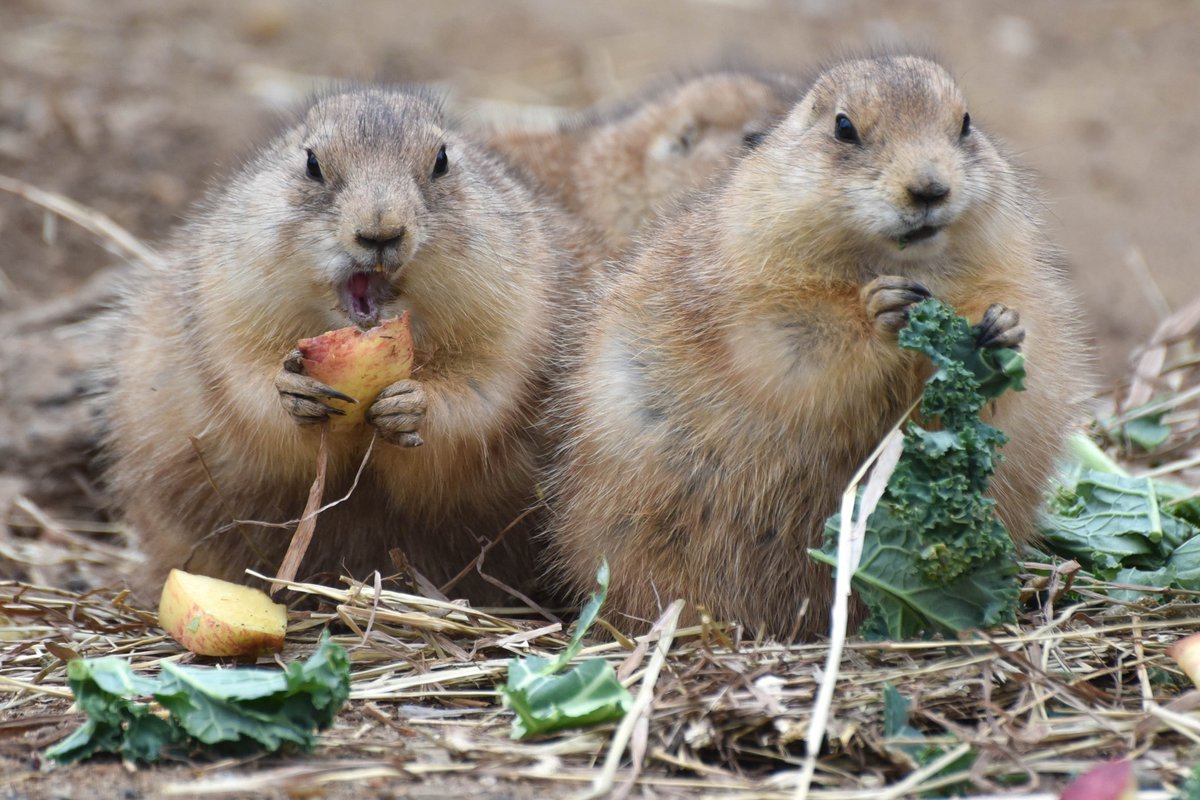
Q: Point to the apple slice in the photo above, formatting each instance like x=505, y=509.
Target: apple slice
x=1186, y=652
x=212, y=617
x=359, y=363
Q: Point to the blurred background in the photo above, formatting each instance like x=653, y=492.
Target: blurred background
x=133, y=107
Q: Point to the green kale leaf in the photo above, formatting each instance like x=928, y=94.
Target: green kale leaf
x=1126, y=530
x=936, y=558
x=222, y=711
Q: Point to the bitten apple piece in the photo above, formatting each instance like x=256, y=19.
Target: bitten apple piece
x=211, y=617
x=359, y=363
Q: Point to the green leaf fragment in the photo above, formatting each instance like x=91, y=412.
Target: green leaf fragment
x=226, y=711
x=544, y=701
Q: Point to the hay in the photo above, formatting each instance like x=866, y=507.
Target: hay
x=1035, y=702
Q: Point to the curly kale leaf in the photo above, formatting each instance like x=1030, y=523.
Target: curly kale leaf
x=936, y=558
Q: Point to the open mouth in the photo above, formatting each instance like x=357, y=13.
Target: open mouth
x=917, y=235
x=361, y=296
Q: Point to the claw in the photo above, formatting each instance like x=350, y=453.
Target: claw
x=327, y=391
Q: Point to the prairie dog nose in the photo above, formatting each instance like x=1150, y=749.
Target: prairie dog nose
x=929, y=191
x=380, y=237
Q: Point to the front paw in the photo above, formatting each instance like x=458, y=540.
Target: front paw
x=304, y=398
x=887, y=300
x=1000, y=327
x=398, y=413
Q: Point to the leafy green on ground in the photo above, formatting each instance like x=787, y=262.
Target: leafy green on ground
x=544, y=701
x=936, y=558
x=1127, y=530
x=1190, y=790
x=224, y=712
x=901, y=737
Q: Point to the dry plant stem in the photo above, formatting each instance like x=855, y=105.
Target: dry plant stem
x=362, y=465
x=308, y=521
x=87, y=218
x=885, y=458
x=603, y=783
x=1150, y=363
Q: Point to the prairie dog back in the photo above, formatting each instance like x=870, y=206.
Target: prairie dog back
x=621, y=170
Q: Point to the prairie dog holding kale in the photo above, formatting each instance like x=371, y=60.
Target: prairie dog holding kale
x=368, y=207
x=620, y=168
x=745, y=363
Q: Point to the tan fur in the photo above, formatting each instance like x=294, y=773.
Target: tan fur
x=257, y=269
x=621, y=170
x=732, y=378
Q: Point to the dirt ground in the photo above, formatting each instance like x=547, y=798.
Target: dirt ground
x=134, y=107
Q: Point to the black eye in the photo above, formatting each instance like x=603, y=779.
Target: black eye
x=844, y=129
x=441, y=163
x=753, y=139
x=314, y=169
x=966, y=128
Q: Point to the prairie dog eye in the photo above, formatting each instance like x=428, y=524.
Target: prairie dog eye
x=966, y=126
x=753, y=139
x=441, y=163
x=844, y=130
x=314, y=167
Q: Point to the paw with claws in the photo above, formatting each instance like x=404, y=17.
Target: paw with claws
x=1000, y=327
x=304, y=397
x=888, y=299
x=398, y=413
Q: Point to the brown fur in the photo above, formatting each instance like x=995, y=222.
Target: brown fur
x=735, y=375
x=259, y=268
x=621, y=169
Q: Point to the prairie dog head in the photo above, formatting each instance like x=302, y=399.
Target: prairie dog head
x=370, y=206
x=675, y=142
x=879, y=160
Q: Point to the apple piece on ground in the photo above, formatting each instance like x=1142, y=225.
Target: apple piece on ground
x=212, y=617
x=1112, y=781
x=1186, y=653
x=359, y=363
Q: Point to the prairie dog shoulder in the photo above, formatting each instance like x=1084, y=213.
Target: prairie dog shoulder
x=369, y=206
x=743, y=365
x=621, y=167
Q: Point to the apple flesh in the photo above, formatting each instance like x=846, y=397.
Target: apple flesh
x=212, y=617
x=359, y=363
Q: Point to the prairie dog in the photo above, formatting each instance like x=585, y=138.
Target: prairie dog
x=620, y=169
x=744, y=364
x=368, y=207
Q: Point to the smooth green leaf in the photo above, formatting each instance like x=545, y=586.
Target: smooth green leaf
x=1148, y=432
x=586, y=695
x=544, y=701
x=1125, y=529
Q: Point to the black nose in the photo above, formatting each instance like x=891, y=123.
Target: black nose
x=929, y=193
x=380, y=240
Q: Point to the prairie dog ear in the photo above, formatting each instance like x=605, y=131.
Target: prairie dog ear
x=677, y=141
